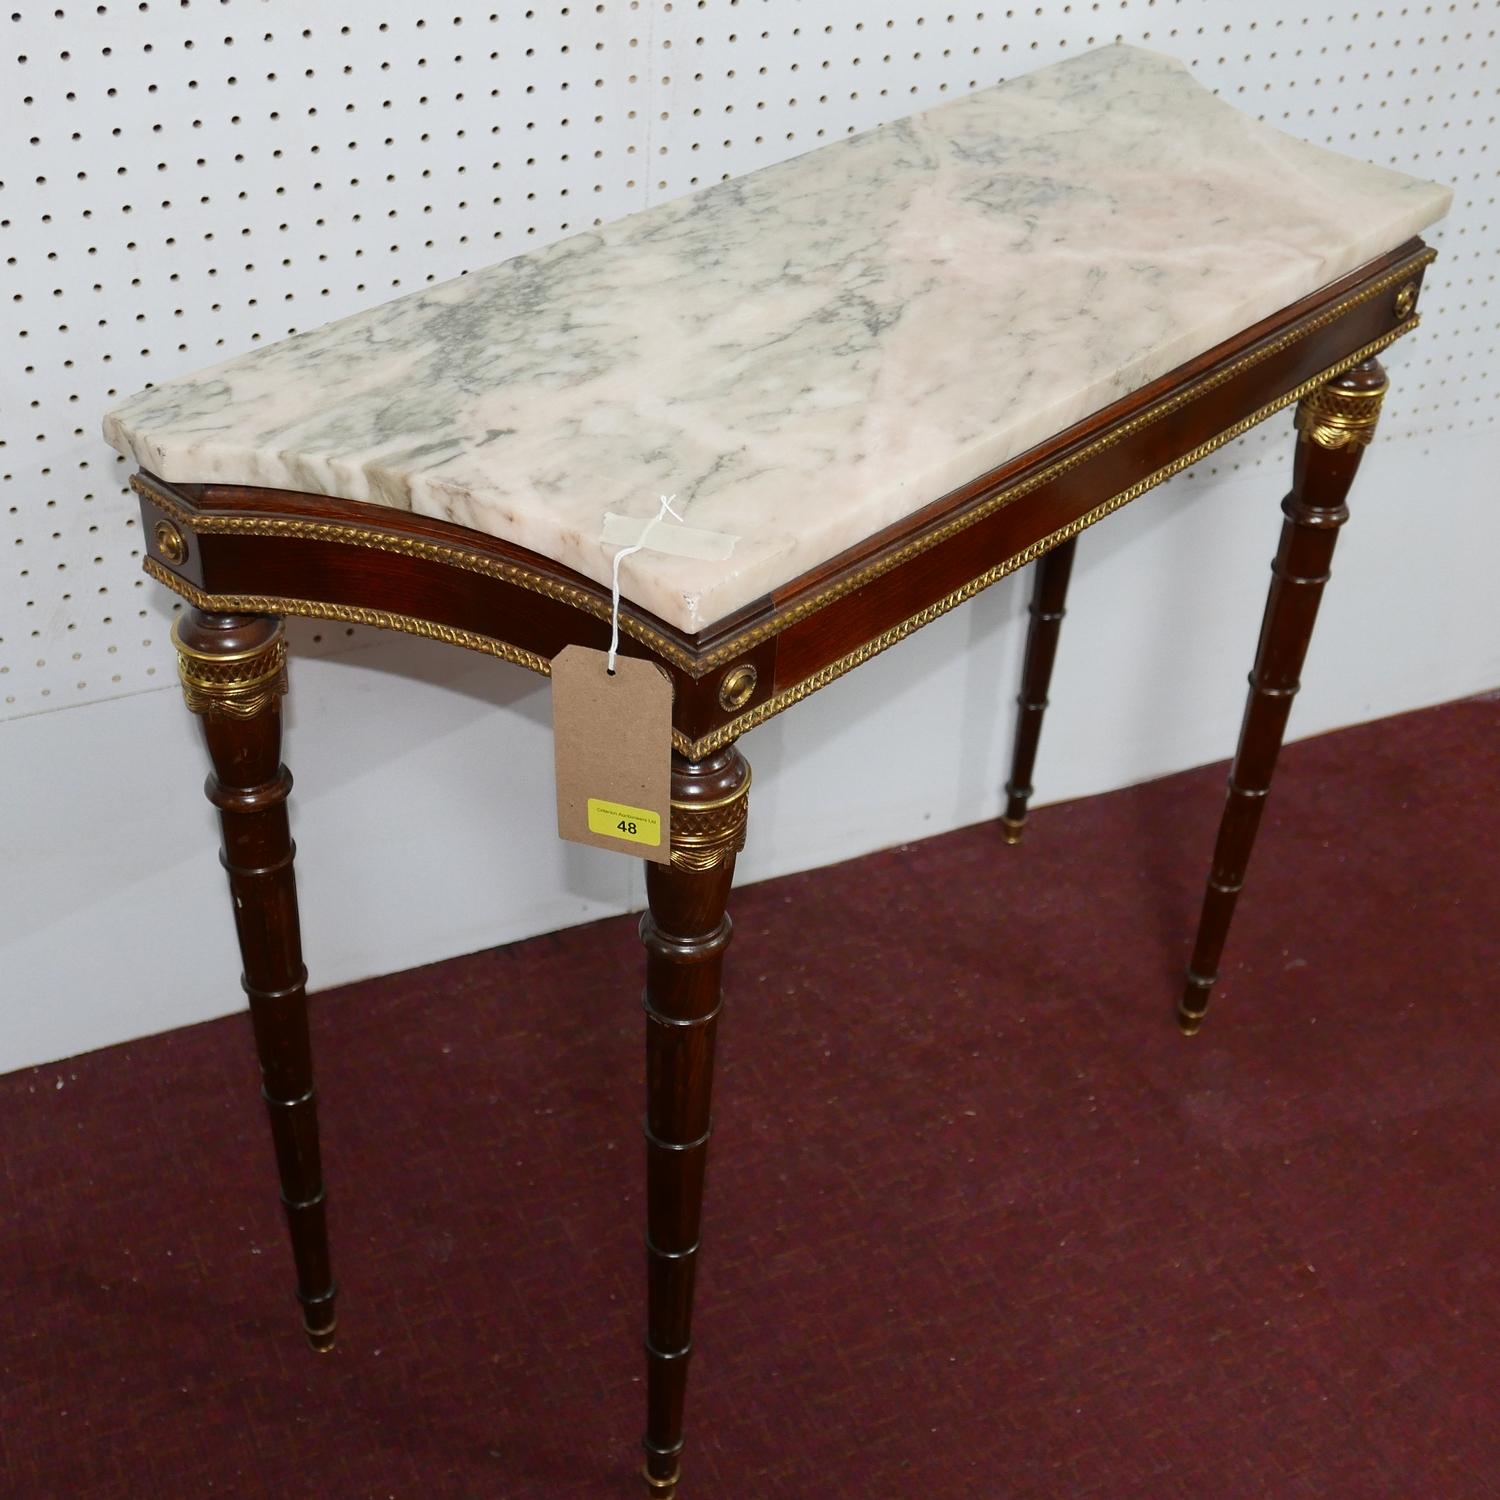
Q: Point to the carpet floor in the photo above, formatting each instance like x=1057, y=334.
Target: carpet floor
x=980, y=1222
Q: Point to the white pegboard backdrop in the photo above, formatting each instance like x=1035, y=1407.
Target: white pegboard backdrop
x=183, y=179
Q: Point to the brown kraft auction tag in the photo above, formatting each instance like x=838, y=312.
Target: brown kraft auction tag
x=612, y=743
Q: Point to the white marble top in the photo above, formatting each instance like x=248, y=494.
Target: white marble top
x=810, y=352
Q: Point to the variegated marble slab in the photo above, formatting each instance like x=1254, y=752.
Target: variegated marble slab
x=810, y=352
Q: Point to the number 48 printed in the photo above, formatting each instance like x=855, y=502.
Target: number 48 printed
x=633, y=825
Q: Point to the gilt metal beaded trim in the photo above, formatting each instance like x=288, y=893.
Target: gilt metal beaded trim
x=696, y=749
x=698, y=665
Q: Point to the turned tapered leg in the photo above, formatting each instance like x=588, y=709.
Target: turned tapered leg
x=1334, y=426
x=233, y=670
x=1049, y=598
x=685, y=933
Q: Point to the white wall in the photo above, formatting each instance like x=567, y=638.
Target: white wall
x=423, y=773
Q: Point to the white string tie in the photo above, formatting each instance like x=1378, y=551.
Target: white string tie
x=620, y=556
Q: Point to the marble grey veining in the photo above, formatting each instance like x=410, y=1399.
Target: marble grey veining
x=807, y=353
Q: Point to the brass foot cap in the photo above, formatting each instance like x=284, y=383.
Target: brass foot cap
x=661, y=1489
x=1189, y=1023
x=1011, y=829
x=321, y=1339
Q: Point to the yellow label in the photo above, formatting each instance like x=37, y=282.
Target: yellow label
x=615, y=820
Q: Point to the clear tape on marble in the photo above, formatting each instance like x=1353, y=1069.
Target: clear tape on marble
x=634, y=534
x=675, y=541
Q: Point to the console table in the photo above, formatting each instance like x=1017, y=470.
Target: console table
x=876, y=379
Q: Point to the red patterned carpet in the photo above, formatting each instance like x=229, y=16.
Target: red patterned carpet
x=980, y=1222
